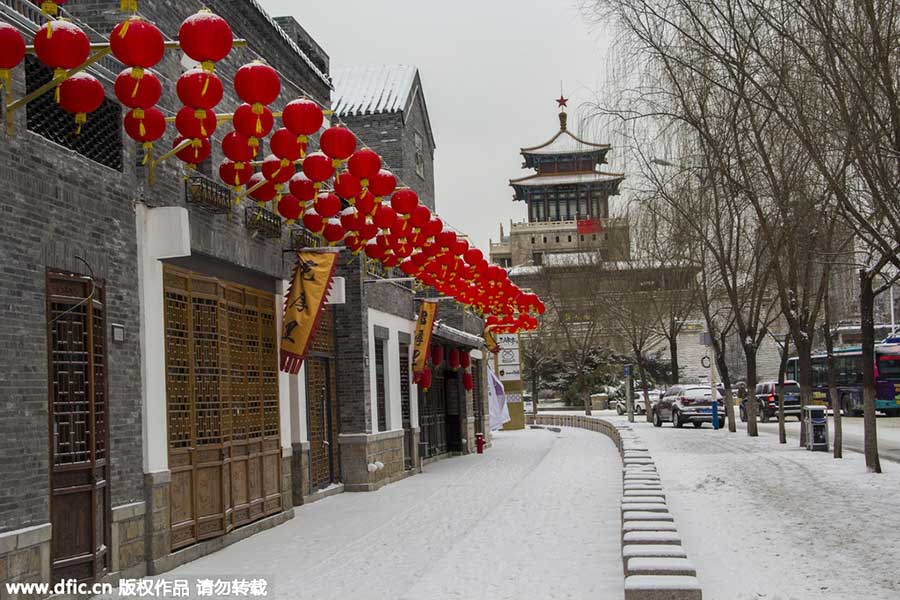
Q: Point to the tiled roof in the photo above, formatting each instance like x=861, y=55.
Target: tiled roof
x=564, y=178
x=362, y=90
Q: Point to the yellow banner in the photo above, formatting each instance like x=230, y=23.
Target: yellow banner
x=490, y=341
x=422, y=341
x=304, y=305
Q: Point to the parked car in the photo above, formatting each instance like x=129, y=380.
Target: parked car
x=639, y=407
x=688, y=404
x=767, y=401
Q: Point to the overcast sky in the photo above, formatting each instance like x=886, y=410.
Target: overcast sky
x=491, y=70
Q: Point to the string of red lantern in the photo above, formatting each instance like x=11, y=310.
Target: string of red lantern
x=362, y=207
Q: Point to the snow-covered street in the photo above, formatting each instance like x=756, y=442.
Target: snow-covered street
x=852, y=428
x=537, y=516
x=763, y=520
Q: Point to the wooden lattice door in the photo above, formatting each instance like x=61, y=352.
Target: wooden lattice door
x=322, y=409
x=79, y=475
x=222, y=395
x=433, y=416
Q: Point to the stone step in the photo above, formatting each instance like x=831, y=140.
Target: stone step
x=657, y=565
x=662, y=587
x=651, y=550
x=643, y=493
x=651, y=538
x=629, y=526
x=642, y=499
x=648, y=507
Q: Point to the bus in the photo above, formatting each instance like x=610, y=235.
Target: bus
x=848, y=364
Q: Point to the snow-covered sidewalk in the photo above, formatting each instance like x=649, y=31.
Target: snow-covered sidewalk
x=537, y=516
x=763, y=520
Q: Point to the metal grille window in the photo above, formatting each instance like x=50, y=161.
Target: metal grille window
x=100, y=139
x=380, y=382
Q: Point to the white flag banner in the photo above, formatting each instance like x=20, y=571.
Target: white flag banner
x=497, y=401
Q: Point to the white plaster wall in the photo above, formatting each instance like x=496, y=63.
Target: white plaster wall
x=163, y=232
x=392, y=368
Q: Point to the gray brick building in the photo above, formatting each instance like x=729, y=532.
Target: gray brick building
x=97, y=265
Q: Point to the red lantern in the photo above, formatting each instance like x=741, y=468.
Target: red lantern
x=328, y=205
x=355, y=243
x=364, y=163
x=138, y=92
x=419, y=217
x=465, y=360
x=333, y=232
x=195, y=153
x=318, y=167
x=80, y=94
x=383, y=183
x=63, y=47
x=437, y=354
x=424, y=381
x=338, y=142
x=277, y=170
x=473, y=256
x=347, y=185
x=368, y=231
x=374, y=250
x=195, y=122
x=468, y=381
x=454, y=359
x=365, y=203
x=404, y=201
x=303, y=187
x=285, y=144
x=384, y=217
x=434, y=227
x=205, y=37
x=137, y=43
x=313, y=221
x=257, y=83
x=12, y=52
x=145, y=125
x=254, y=121
x=266, y=190
x=290, y=208
x=237, y=147
x=199, y=89
x=235, y=173
x=303, y=117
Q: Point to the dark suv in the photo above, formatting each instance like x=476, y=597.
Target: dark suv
x=688, y=404
x=767, y=401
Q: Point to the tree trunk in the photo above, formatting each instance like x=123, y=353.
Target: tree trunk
x=646, y=393
x=673, y=354
x=583, y=388
x=867, y=316
x=804, y=373
x=782, y=371
x=832, y=383
x=725, y=374
x=534, y=394
x=750, y=355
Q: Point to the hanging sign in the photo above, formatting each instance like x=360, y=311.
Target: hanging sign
x=422, y=341
x=304, y=305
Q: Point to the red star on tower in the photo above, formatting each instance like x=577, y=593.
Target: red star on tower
x=563, y=101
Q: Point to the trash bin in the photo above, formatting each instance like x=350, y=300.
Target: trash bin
x=816, y=428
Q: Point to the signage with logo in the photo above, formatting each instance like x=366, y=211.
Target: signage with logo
x=509, y=368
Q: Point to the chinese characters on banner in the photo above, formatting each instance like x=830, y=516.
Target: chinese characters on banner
x=422, y=341
x=304, y=304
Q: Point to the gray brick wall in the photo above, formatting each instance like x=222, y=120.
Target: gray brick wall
x=56, y=205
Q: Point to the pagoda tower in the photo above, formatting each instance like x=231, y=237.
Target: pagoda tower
x=567, y=195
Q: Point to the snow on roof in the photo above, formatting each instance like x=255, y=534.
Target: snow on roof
x=456, y=335
x=361, y=90
x=565, y=142
x=563, y=178
x=290, y=42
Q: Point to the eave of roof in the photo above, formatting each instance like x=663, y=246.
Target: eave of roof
x=571, y=144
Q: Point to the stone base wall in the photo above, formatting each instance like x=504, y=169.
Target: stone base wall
x=287, y=477
x=24, y=556
x=156, y=490
x=128, y=543
x=300, y=473
x=371, y=460
x=470, y=435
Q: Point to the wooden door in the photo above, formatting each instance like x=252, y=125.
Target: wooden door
x=322, y=408
x=79, y=463
x=405, y=408
x=222, y=399
x=433, y=416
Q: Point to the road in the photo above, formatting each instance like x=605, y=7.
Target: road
x=852, y=428
x=536, y=516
